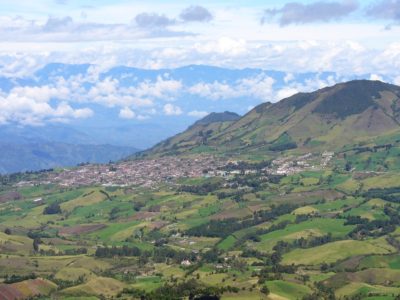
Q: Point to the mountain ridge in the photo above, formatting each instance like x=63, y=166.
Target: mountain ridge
x=330, y=118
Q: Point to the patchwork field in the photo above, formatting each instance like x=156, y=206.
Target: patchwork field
x=320, y=234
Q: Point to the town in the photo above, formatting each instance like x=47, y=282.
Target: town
x=143, y=173
x=150, y=172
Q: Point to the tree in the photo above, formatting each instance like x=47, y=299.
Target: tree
x=264, y=290
x=52, y=209
x=7, y=231
x=36, y=243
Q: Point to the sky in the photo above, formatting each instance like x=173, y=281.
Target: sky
x=346, y=37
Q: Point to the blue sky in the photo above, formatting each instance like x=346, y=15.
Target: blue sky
x=346, y=37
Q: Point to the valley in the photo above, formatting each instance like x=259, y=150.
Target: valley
x=217, y=213
x=244, y=234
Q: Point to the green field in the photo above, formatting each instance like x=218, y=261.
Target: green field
x=244, y=237
x=335, y=251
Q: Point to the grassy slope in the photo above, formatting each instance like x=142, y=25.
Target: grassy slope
x=184, y=210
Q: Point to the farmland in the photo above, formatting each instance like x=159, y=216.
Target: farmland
x=320, y=234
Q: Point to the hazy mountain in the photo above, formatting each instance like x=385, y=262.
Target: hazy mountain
x=37, y=156
x=351, y=113
x=31, y=148
x=191, y=90
x=16, y=134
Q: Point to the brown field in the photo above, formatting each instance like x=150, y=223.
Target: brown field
x=26, y=289
x=143, y=215
x=232, y=213
x=75, y=230
x=10, y=196
x=157, y=225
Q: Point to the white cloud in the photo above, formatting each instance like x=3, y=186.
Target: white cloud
x=285, y=93
x=258, y=87
x=288, y=77
x=31, y=106
x=65, y=110
x=197, y=114
x=309, y=85
x=376, y=77
x=343, y=57
x=127, y=113
x=224, y=45
x=172, y=110
x=109, y=92
x=161, y=89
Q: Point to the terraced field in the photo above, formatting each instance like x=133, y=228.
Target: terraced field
x=313, y=235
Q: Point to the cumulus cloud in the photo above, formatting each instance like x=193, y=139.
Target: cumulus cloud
x=32, y=106
x=258, y=87
x=299, y=13
x=63, y=99
x=376, y=77
x=172, y=110
x=197, y=114
x=285, y=93
x=57, y=100
x=344, y=57
x=223, y=46
x=196, y=14
x=308, y=85
x=109, y=92
x=64, y=110
x=126, y=113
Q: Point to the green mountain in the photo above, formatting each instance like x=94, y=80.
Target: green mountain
x=328, y=227
x=353, y=113
x=226, y=116
x=196, y=135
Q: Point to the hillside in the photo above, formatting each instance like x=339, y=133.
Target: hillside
x=275, y=225
x=226, y=116
x=347, y=114
x=196, y=135
x=324, y=233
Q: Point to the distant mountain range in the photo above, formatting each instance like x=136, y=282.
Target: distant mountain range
x=45, y=147
x=350, y=114
x=163, y=102
x=38, y=156
x=196, y=90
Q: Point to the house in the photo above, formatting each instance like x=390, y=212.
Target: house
x=186, y=263
x=38, y=201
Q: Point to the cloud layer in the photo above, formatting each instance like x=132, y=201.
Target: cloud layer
x=168, y=37
x=63, y=93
